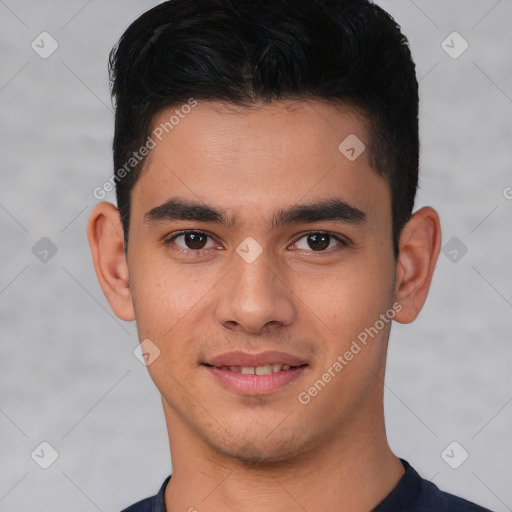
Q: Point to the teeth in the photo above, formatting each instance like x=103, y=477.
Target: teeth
x=258, y=370
x=264, y=370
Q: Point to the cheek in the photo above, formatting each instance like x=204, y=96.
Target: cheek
x=350, y=299
x=167, y=296
x=347, y=311
x=154, y=309
x=164, y=307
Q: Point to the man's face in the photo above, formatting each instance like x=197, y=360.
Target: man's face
x=265, y=282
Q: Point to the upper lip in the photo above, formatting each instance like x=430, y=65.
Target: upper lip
x=239, y=358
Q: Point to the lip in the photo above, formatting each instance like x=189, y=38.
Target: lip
x=239, y=358
x=255, y=384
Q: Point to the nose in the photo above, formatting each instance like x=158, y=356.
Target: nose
x=255, y=297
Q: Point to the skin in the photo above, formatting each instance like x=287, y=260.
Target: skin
x=269, y=452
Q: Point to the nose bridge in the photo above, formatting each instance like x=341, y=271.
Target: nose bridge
x=254, y=276
x=255, y=294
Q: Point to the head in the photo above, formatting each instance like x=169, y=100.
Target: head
x=285, y=135
x=246, y=53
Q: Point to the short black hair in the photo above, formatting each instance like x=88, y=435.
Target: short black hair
x=245, y=52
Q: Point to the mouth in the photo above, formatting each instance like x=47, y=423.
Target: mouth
x=255, y=374
x=265, y=369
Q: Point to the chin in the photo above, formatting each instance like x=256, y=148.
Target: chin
x=251, y=456
x=253, y=449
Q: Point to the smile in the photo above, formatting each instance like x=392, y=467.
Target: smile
x=265, y=369
x=255, y=380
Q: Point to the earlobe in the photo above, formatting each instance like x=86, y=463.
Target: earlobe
x=420, y=243
x=106, y=240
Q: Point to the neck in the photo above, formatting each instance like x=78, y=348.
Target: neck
x=353, y=470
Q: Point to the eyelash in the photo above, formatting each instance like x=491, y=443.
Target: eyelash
x=343, y=244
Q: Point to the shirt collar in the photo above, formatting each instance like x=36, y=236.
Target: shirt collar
x=400, y=498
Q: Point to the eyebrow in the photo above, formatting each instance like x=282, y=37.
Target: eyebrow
x=333, y=209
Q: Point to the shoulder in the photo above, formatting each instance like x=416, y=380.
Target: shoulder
x=415, y=494
x=435, y=499
x=153, y=504
x=145, y=505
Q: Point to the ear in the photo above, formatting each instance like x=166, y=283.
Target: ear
x=105, y=234
x=419, y=246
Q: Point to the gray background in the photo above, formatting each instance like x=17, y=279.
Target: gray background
x=68, y=374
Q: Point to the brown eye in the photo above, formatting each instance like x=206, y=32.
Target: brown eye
x=191, y=240
x=195, y=240
x=319, y=242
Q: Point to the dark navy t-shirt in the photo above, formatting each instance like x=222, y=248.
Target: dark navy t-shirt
x=411, y=494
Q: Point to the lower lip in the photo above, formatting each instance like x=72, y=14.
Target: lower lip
x=256, y=384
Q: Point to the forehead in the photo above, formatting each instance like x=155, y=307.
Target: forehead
x=280, y=129
x=251, y=159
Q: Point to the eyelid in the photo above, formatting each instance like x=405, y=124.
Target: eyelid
x=342, y=241
x=168, y=240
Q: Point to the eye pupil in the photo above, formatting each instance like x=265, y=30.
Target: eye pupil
x=193, y=240
x=319, y=241
x=196, y=241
